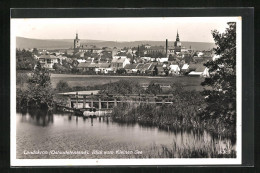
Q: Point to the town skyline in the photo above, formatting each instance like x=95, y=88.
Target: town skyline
x=121, y=29
x=86, y=39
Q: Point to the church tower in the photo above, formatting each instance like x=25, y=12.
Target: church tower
x=177, y=43
x=76, y=42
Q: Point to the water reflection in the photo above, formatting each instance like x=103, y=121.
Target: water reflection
x=37, y=117
x=74, y=131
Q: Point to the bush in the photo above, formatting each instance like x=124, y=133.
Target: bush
x=21, y=79
x=153, y=89
x=121, y=71
x=122, y=87
x=63, y=86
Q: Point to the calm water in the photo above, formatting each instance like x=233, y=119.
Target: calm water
x=50, y=136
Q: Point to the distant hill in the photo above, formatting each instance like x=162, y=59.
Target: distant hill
x=25, y=43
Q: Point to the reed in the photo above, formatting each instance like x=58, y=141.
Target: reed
x=203, y=150
x=183, y=113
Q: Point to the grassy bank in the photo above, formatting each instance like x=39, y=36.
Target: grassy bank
x=189, y=83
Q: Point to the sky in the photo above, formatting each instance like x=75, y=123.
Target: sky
x=197, y=29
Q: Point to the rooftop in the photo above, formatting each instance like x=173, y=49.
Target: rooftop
x=131, y=66
x=84, y=64
x=48, y=56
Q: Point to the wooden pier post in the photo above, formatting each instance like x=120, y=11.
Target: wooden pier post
x=92, y=101
x=115, y=102
x=99, y=103
x=163, y=102
x=84, y=101
x=77, y=102
x=69, y=102
x=107, y=102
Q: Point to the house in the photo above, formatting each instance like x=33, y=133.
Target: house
x=162, y=59
x=174, y=69
x=145, y=68
x=139, y=67
x=119, y=62
x=104, y=68
x=196, y=69
x=161, y=70
x=79, y=54
x=131, y=68
x=200, y=54
x=83, y=66
x=93, y=67
x=154, y=50
x=198, y=59
x=90, y=48
x=62, y=58
x=48, y=61
x=146, y=59
x=185, y=68
x=70, y=52
x=215, y=57
x=147, y=46
x=81, y=60
x=171, y=51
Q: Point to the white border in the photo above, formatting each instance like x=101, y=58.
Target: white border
x=98, y=162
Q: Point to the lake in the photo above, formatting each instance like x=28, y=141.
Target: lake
x=65, y=136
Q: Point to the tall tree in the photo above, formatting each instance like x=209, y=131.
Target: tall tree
x=39, y=93
x=221, y=97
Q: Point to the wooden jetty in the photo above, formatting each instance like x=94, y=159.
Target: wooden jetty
x=80, y=102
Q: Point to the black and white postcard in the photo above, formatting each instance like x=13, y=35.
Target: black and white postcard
x=126, y=91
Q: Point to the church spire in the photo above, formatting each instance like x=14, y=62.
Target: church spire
x=177, y=37
x=77, y=35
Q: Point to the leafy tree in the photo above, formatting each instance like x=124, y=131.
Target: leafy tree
x=140, y=51
x=221, y=98
x=187, y=58
x=172, y=57
x=87, y=54
x=39, y=92
x=24, y=60
x=106, y=55
x=65, y=64
x=60, y=68
x=35, y=51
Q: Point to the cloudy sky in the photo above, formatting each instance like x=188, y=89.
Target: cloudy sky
x=121, y=29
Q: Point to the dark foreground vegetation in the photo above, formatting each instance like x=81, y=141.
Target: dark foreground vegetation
x=34, y=91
